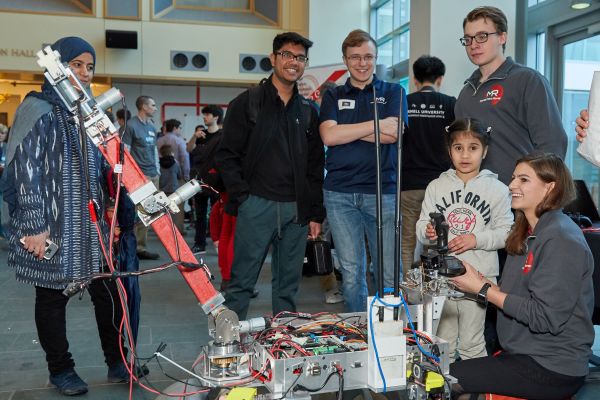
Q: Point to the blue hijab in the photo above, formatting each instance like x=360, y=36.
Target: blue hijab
x=69, y=47
x=32, y=108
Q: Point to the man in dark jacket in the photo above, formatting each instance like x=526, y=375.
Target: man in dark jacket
x=200, y=146
x=271, y=160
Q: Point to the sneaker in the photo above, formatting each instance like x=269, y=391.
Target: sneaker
x=199, y=249
x=69, y=383
x=146, y=255
x=118, y=374
x=333, y=296
x=141, y=371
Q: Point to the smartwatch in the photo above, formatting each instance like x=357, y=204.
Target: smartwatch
x=482, y=295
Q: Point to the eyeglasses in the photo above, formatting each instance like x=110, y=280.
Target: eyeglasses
x=479, y=38
x=288, y=56
x=355, y=58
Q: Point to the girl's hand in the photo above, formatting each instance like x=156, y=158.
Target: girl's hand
x=462, y=243
x=430, y=232
x=471, y=281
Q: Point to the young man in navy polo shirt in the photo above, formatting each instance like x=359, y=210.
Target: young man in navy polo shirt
x=347, y=128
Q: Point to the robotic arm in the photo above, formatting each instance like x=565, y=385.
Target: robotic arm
x=153, y=205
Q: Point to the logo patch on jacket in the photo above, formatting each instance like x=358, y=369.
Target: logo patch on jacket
x=494, y=94
x=528, y=263
x=346, y=104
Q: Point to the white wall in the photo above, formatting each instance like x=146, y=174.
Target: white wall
x=439, y=36
x=329, y=23
x=156, y=39
x=176, y=94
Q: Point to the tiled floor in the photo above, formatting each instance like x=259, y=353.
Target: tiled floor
x=169, y=314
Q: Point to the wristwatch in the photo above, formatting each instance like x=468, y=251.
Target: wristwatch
x=482, y=295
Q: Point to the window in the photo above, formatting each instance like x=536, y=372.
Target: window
x=581, y=58
x=531, y=3
x=384, y=19
x=390, y=28
x=236, y=12
x=122, y=9
x=57, y=7
x=536, y=52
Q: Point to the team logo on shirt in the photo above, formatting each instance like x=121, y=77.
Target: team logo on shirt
x=493, y=94
x=346, y=104
x=379, y=100
x=461, y=221
x=528, y=263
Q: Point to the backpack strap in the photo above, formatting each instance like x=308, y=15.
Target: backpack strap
x=255, y=101
x=306, y=111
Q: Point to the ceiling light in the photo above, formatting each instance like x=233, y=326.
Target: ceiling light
x=580, y=4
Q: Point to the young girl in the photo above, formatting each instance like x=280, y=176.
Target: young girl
x=476, y=206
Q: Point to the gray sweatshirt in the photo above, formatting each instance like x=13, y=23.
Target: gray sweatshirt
x=548, y=311
x=517, y=102
x=481, y=207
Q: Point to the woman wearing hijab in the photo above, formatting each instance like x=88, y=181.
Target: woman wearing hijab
x=51, y=177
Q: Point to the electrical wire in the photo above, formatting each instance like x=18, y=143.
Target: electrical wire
x=124, y=327
x=302, y=387
x=412, y=327
x=375, y=345
x=284, y=395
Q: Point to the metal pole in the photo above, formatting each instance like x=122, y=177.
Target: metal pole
x=398, y=213
x=379, y=203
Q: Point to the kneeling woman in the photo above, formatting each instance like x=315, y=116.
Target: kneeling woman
x=545, y=295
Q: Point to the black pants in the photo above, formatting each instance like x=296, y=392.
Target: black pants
x=512, y=375
x=50, y=319
x=201, y=211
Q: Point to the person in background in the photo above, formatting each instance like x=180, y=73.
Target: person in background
x=173, y=138
x=170, y=178
x=202, y=147
x=123, y=116
x=329, y=283
x=3, y=145
x=424, y=147
x=48, y=189
x=141, y=141
x=545, y=298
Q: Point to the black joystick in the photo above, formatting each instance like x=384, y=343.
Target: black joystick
x=438, y=259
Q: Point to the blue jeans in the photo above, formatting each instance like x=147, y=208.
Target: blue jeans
x=351, y=216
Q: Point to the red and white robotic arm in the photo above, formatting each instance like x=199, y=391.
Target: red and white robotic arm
x=153, y=206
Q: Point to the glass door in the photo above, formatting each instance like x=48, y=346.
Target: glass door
x=580, y=58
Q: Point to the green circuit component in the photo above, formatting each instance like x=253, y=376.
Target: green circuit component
x=324, y=350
